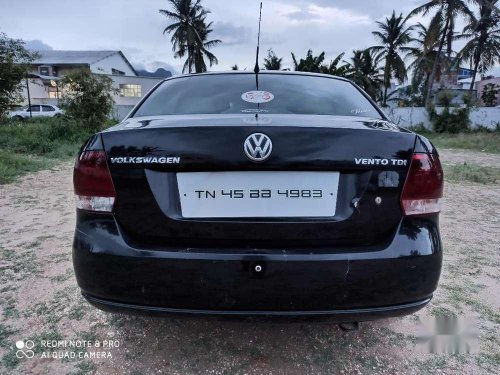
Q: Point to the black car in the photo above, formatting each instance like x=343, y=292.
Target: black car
x=258, y=194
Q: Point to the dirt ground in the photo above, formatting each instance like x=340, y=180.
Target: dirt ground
x=40, y=301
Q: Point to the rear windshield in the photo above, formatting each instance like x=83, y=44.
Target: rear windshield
x=237, y=93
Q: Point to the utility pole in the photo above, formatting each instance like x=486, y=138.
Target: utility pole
x=29, y=98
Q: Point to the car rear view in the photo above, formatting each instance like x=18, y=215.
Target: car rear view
x=258, y=194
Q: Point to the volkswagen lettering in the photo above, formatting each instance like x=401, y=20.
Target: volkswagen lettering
x=276, y=193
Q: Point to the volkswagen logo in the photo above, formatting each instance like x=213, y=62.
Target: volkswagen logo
x=258, y=147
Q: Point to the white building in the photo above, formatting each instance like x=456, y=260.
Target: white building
x=52, y=65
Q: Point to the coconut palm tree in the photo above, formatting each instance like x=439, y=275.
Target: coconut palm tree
x=423, y=54
x=200, y=51
x=447, y=12
x=272, y=62
x=190, y=33
x=394, y=37
x=483, y=47
x=365, y=71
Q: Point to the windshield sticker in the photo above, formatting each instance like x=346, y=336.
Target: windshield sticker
x=257, y=96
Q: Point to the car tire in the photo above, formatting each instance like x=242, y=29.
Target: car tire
x=17, y=118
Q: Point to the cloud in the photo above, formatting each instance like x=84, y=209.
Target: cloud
x=230, y=34
x=328, y=15
x=303, y=15
x=37, y=45
x=152, y=66
x=373, y=9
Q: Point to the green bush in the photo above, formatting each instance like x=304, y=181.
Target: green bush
x=451, y=120
x=489, y=95
x=445, y=98
x=419, y=128
x=88, y=99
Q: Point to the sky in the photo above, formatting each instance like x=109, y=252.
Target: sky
x=136, y=27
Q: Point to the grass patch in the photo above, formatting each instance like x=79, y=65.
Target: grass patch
x=5, y=333
x=84, y=368
x=477, y=141
x=37, y=144
x=461, y=296
x=471, y=172
x=22, y=263
x=13, y=165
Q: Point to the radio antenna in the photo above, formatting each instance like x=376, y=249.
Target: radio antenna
x=257, y=69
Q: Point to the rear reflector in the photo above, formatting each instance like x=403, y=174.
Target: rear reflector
x=94, y=188
x=423, y=187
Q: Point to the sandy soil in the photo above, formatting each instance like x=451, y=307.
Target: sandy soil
x=40, y=300
x=452, y=156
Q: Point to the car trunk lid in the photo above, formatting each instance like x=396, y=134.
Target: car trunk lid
x=146, y=156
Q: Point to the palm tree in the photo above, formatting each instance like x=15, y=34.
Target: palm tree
x=272, y=62
x=365, y=71
x=201, y=50
x=334, y=69
x=483, y=48
x=310, y=63
x=190, y=33
x=447, y=11
x=424, y=54
x=395, y=37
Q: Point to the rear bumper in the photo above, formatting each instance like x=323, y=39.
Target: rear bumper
x=396, y=279
x=345, y=315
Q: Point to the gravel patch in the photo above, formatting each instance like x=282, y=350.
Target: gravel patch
x=39, y=300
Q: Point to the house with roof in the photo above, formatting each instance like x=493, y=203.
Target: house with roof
x=52, y=65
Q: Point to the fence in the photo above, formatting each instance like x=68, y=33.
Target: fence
x=413, y=116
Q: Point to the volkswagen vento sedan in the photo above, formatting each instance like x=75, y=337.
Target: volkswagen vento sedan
x=269, y=194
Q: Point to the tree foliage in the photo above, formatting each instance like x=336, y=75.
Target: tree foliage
x=483, y=34
x=311, y=63
x=489, y=94
x=365, y=71
x=315, y=64
x=446, y=14
x=395, y=37
x=335, y=69
x=423, y=55
x=14, y=63
x=88, y=98
x=190, y=34
x=272, y=62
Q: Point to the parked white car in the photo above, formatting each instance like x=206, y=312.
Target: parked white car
x=37, y=110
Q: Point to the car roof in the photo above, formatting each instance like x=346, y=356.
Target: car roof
x=280, y=72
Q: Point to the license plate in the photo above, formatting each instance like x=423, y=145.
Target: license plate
x=258, y=194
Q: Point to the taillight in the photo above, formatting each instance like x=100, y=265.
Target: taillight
x=423, y=187
x=94, y=188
